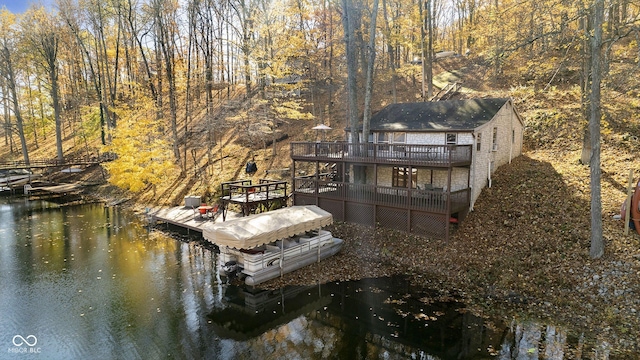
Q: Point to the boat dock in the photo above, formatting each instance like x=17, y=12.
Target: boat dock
x=242, y=194
x=186, y=217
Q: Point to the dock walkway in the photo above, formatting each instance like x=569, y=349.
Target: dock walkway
x=186, y=217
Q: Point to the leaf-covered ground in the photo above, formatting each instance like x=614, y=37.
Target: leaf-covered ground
x=523, y=251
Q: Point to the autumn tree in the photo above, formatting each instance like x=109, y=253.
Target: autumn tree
x=244, y=22
x=164, y=13
x=42, y=32
x=88, y=54
x=8, y=53
x=144, y=155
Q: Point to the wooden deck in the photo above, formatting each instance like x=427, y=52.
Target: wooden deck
x=263, y=196
x=437, y=156
x=434, y=201
x=186, y=217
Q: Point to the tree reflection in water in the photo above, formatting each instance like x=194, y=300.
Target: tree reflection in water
x=375, y=318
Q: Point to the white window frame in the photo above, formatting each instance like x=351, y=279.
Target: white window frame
x=452, y=142
x=494, y=146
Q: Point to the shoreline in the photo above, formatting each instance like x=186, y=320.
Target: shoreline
x=494, y=263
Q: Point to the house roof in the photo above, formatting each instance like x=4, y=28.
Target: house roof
x=440, y=115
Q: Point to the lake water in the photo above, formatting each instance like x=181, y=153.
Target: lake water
x=90, y=281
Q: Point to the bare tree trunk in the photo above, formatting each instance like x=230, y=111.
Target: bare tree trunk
x=370, y=66
x=422, y=51
x=95, y=76
x=32, y=114
x=147, y=68
x=392, y=50
x=585, y=85
x=352, y=68
x=5, y=106
x=430, y=28
x=49, y=43
x=165, y=39
x=597, y=242
x=9, y=75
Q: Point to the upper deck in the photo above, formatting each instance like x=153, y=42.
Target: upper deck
x=443, y=156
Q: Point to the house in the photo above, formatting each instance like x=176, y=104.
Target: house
x=421, y=170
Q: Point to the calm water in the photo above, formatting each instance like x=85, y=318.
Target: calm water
x=92, y=282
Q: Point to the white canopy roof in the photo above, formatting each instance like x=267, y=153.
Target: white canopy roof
x=255, y=230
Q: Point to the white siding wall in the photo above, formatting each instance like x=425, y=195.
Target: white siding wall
x=438, y=138
x=384, y=175
x=465, y=138
x=509, y=146
x=428, y=138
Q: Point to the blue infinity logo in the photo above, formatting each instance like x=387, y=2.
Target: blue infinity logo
x=18, y=340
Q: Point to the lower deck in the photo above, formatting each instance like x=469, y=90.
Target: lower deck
x=424, y=212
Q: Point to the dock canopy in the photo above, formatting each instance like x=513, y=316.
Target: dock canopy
x=256, y=230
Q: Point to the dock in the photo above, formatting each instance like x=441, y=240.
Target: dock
x=186, y=217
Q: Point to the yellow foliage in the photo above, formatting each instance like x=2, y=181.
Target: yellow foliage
x=144, y=156
x=290, y=109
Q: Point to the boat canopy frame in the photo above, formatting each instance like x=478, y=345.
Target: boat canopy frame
x=264, y=228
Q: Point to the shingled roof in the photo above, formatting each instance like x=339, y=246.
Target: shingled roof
x=440, y=115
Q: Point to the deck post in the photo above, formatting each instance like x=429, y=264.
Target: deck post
x=628, y=201
x=281, y=258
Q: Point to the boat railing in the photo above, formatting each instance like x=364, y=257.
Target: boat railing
x=273, y=253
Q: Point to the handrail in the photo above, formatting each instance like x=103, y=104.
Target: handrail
x=430, y=200
x=418, y=154
x=40, y=163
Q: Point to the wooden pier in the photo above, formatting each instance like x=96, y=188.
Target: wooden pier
x=263, y=196
x=186, y=217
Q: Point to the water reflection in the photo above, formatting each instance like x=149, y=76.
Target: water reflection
x=372, y=318
x=91, y=282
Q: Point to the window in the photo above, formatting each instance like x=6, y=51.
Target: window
x=478, y=141
x=391, y=137
x=452, y=139
x=495, y=139
x=399, y=138
x=383, y=138
x=400, y=177
x=513, y=136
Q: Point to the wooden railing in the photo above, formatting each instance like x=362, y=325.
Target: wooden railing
x=44, y=163
x=416, y=199
x=271, y=188
x=401, y=154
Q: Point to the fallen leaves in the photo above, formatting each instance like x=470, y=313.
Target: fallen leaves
x=523, y=249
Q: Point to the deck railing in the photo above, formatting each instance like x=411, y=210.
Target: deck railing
x=271, y=188
x=425, y=155
x=415, y=199
x=67, y=161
